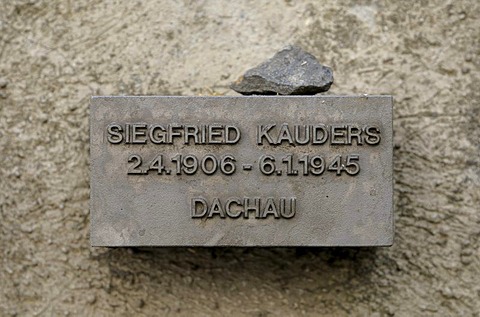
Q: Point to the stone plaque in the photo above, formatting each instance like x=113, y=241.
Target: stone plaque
x=241, y=171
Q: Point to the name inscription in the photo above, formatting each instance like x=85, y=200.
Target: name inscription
x=272, y=134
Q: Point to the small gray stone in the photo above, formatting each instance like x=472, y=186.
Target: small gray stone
x=291, y=71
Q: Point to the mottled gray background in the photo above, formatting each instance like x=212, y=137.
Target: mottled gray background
x=55, y=54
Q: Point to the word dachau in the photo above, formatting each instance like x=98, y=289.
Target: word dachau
x=272, y=134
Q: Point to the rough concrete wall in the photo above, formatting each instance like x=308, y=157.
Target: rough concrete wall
x=56, y=54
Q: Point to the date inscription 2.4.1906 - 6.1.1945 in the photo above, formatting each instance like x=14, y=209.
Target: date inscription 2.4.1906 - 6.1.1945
x=241, y=171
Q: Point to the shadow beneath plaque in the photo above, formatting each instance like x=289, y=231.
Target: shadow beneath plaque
x=312, y=269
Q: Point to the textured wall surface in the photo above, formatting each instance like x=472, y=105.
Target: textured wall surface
x=55, y=54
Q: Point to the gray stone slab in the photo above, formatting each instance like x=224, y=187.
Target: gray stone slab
x=241, y=171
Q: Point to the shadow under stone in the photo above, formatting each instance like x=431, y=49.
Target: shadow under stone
x=309, y=267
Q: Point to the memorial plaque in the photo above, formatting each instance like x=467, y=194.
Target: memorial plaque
x=241, y=171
